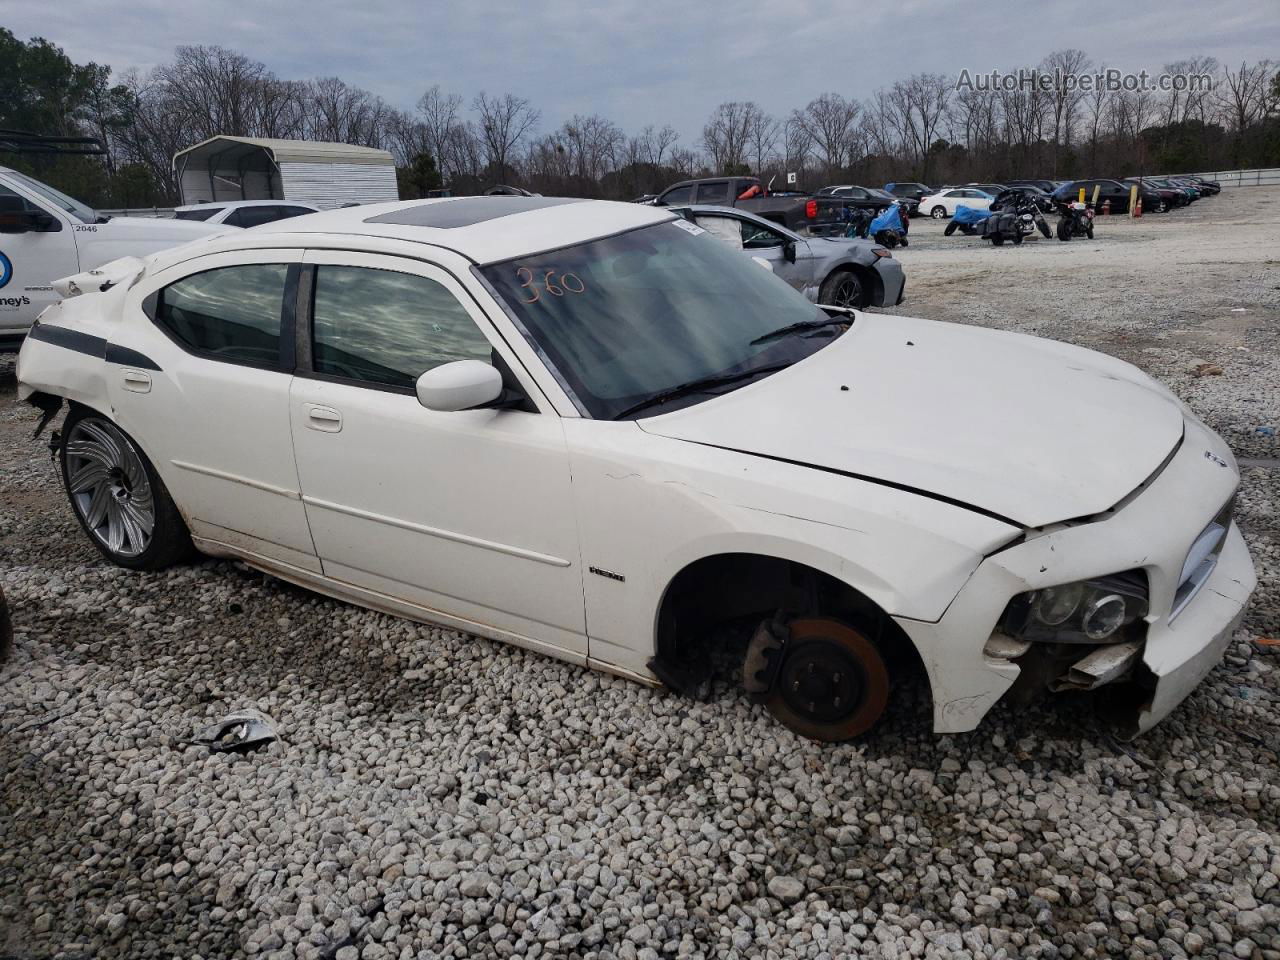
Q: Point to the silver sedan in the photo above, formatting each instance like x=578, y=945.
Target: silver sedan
x=839, y=271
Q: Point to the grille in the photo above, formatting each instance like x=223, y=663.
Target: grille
x=1202, y=558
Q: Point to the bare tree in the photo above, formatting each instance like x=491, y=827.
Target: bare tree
x=1245, y=93
x=919, y=105
x=505, y=121
x=654, y=144
x=830, y=122
x=727, y=132
x=1066, y=97
x=440, y=116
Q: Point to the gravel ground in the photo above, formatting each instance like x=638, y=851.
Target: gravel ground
x=434, y=794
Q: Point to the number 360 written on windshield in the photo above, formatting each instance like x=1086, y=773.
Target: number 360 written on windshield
x=548, y=283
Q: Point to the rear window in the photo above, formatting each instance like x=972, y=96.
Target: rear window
x=197, y=214
x=713, y=192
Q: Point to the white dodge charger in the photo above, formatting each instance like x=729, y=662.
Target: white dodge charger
x=592, y=430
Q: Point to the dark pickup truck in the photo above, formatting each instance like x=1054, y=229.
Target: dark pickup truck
x=799, y=212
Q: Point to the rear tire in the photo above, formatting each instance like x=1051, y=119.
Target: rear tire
x=117, y=496
x=1089, y=233
x=997, y=239
x=950, y=228
x=1064, y=231
x=938, y=213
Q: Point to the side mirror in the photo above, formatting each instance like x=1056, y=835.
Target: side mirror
x=461, y=385
x=789, y=251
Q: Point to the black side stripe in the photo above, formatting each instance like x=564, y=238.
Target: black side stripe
x=129, y=358
x=70, y=339
x=92, y=346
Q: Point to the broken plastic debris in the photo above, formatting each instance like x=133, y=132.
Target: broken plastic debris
x=1206, y=370
x=238, y=732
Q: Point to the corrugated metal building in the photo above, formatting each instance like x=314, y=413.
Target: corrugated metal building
x=259, y=168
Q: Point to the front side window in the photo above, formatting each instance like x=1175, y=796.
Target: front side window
x=59, y=199
x=388, y=328
x=230, y=313
x=626, y=318
x=758, y=237
x=678, y=195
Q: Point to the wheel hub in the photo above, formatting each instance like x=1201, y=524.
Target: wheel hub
x=831, y=683
x=820, y=681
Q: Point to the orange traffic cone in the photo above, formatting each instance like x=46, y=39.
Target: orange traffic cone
x=1137, y=208
x=1106, y=208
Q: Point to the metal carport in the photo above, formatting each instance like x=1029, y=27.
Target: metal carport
x=260, y=168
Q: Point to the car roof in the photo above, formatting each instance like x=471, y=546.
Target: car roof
x=482, y=229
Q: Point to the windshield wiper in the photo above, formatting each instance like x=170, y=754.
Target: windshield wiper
x=802, y=325
x=697, y=386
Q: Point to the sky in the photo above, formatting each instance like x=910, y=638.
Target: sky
x=658, y=62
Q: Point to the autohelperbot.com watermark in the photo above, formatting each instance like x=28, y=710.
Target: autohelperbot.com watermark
x=1109, y=80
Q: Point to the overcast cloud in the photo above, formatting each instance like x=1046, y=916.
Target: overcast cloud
x=662, y=61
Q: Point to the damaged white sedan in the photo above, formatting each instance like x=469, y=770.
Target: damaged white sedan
x=591, y=430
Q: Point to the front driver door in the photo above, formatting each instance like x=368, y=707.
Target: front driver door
x=469, y=513
x=30, y=260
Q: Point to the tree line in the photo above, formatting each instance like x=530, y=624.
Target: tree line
x=924, y=127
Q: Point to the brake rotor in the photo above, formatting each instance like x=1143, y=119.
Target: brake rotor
x=832, y=683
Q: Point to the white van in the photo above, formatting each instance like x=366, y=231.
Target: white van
x=46, y=235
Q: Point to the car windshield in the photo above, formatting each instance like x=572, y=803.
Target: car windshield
x=626, y=318
x=57, y=198
x=880, y=193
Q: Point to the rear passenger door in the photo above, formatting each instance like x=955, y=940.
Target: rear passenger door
x=714, y=193
x=206, y=387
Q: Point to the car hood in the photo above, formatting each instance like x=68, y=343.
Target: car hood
x=1030, y=430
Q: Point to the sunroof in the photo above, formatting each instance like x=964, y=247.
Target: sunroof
x=465, y=211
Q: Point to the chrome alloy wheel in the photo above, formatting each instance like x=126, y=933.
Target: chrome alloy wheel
x=109, y=487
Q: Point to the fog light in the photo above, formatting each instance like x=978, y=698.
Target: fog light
x=1103, y=617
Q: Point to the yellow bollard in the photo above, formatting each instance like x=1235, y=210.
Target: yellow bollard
x=1097, y=189
x=1082, y=194
x=1133, y=201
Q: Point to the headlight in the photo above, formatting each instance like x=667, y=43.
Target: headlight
x=1086, y=611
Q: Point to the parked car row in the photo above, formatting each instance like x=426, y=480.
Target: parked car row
x=1157, y=194
x=636, y=441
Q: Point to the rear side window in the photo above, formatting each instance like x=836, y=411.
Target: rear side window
x=253, y=216
x=713, y=192
x=388, y=328
x=231, y=313
x=197, y=214
x=677, y=195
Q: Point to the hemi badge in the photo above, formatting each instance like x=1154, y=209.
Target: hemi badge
x=608, y=573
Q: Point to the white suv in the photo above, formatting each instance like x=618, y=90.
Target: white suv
x=594, y=430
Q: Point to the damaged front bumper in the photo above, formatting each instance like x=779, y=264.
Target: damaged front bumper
x=971, y=665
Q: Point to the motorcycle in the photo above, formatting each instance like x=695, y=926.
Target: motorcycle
x=1014, y=215
x=888, y=228
x=1075, y=220
x=1027, y=211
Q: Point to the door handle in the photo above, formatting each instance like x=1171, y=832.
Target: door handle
x=325, y=419
x=137, y=381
